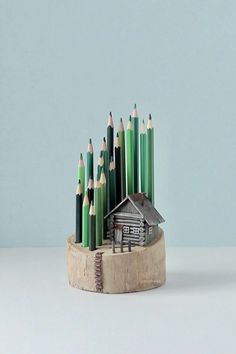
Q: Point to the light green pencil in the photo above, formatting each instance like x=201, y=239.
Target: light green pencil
x=85, y=221
x=99, y=213
x=100, y=165
x=150, y=160
x=112, y=185
x=130, y=157
x=81, y=173
x=104, y=200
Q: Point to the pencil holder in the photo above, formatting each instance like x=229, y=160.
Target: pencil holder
x=117, y=270
x=118, y=246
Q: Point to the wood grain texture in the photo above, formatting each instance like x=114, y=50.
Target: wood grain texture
x=141, y=269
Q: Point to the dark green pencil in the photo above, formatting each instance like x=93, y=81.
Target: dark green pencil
x=79, y=202
x=90, y=160
x=110, y=137
x=90, y=190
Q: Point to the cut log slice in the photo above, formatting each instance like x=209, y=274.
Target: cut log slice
x=103, y=271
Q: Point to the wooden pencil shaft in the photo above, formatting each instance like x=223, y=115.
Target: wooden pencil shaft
x=121, y=135
x=99, y=214
x=135, y=122
x=102, y=212
x=130, y=161
x=99, y=171
x=143, y=162
x=110, y=149
x=112, y=194
x=92, y=232
x=81, y=177
x=110, y=142
x=118, y=175
x=90, y=194
x=104, y=204
x=89, y=166
x=85, y=225
x=78, y=229
x=106, y=171
x=150, y=164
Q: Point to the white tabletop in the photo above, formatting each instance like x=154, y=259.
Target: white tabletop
x=194, y=312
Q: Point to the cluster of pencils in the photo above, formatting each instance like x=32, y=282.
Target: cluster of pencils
x=125, y=166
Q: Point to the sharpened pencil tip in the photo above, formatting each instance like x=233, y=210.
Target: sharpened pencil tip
x=104, y=139
x=110, y=121
x=135, y=106
x=81, y=156
x=130, y=118
x=90, y=141
x=150, y=116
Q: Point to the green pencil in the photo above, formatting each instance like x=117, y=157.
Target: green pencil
x=150, y=160
x=100, y=165
x=106, y=169
x=92, y=228
x=90, y=160
x=117, y=170
x=85, y=221
x=112, y=184
x=81, y=173
x=135, y=122
x=130, y=157
x=110, y=137
x=104, y=200
x=121, y=134
x=143, y=157
x=110, y=149
x=98, y=212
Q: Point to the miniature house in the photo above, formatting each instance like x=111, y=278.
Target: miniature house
x=135, y=219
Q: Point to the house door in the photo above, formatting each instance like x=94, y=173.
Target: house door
x=118, y=233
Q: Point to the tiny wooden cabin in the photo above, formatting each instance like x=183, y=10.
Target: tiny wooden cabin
x=134, y=219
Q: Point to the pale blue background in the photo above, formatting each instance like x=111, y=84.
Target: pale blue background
x=66, y=64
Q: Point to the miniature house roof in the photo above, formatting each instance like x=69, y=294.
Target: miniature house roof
x=143, y=206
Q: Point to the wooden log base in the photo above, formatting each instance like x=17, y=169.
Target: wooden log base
x=103, y=271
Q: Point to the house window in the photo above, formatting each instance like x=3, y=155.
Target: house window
x=150, y=230
x=126, y=229
x=134, y=230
